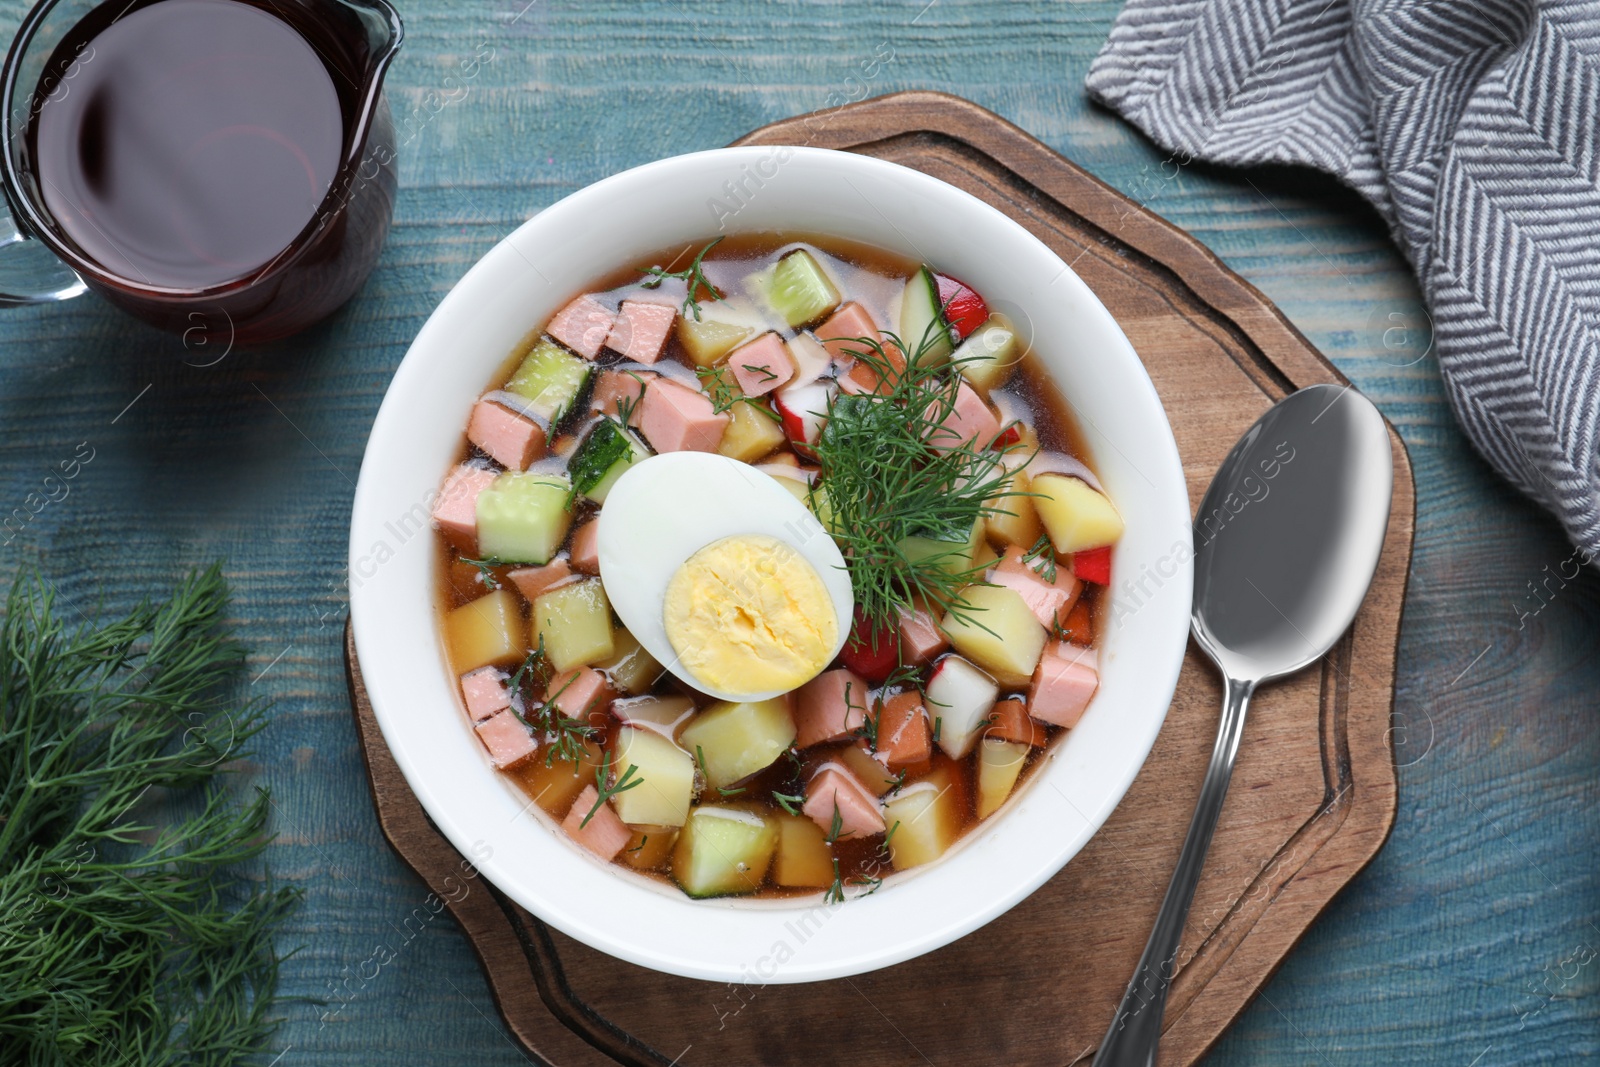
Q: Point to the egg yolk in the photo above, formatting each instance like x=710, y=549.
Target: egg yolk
x=749, y=614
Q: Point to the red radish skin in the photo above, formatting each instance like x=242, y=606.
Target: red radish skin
x=1093, y=565
x=964, y=309
x=1011, y=435
x=871, y=653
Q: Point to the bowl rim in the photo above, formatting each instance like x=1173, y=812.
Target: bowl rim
x=373, y=623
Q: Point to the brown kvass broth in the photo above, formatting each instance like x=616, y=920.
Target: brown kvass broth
x=189, y=142
x=872, y=277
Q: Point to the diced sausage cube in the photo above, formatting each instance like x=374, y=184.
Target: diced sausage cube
x=507, y=738
x=582, y=326
x=833, y=789
x=1009, y=721
x=585, y=549
x=641, y=330
x=675, y=418
x=830, y=707
x=455, y=513
x=605, y=835
x=614, y=385
x=1062, y=689
x=578, y=693
x=1049, y=601
x=920, y=636
x=510, y=439
x=531, y=581
x=485, y=692
x=903, y=737
x=970, y=421
x=762, y=365
x=839, y=334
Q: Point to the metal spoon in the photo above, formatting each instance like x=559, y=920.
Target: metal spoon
x=1286, y=542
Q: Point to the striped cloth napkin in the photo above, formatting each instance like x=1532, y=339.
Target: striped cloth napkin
x=1472, y=128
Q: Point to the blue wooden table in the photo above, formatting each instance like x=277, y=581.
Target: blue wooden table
x=1470, y=941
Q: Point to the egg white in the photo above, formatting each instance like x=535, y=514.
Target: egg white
x=666, y=508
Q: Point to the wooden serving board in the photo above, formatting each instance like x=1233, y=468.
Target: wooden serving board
x=1313, y=796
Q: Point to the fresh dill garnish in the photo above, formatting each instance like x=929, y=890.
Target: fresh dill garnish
x=938, y=721
x=700, y=762
x=605, y=790
x=564, y=736
x=643, y=841
x=835, y=893
x=486, y=568
x=789, y=802
x=693, y=277
x=134, y=931
x=626, y=405
x=870, y=722
x=761, y=369
x=1045, y=554
x=887, y=483
x=534, y=664
x=837, y=830
x=725, y=394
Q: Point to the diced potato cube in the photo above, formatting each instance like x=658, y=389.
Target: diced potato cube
x=865, y=766
x=708, y=340
x=630, y=668
x=484, y=631
x=997, y=631
x=999, y=764
x=724, y=849
x=735, y=741
x=924, y=819
x=650, y=847
x=751, y=435
x=1019, y=523
x=1077, y=517
x=665, y=773
x=574, y=622
x=987, y=356
x=555, y=784
x=803, y=858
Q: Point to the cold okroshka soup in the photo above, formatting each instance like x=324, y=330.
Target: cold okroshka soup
x=772, y=568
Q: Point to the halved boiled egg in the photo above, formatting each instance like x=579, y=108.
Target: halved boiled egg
x=723, y=575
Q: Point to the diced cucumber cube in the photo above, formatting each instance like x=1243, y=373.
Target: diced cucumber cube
x=666, y=778
x=723, y=849
x=799, y=290
x=735, y=741
x=954, y=557
x=551, y=379
x=605, y=453
x=574, y=624
x=523, y=518
x=923, y=330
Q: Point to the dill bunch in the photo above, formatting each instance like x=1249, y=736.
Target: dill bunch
x=125, y=939
x=885, y=488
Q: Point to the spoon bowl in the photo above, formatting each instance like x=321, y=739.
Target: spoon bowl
x=1286, y=542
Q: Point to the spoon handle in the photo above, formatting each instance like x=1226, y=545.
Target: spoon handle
x=1136, y=1029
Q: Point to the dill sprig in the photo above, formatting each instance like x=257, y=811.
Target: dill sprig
x=789, y=802
x=693, y=277
x=127, y=938
x=725, y=393
x=486, y=568
x=885, y=484
x=1043, y=557
x=564, y=737
x=605, y=789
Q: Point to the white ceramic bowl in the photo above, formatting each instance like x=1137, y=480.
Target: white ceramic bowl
x=517, y=286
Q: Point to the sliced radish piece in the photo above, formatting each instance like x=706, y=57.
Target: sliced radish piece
x=964, y=309
x=1061, y=463
x=1093, y=565
x=872, y=652
x=811, y=360
x=960, y=697
x=804, y=411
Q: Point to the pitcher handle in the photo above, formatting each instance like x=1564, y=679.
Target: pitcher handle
x=29, y=272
